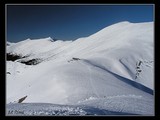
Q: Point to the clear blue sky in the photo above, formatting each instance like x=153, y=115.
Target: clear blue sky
x=69, y=22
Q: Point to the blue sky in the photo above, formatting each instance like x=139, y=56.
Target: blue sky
x=69, y=22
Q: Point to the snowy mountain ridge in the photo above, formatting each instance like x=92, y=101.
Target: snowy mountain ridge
x=116, y=61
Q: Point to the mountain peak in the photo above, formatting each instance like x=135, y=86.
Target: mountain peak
x=50, y=39
x=124, y=22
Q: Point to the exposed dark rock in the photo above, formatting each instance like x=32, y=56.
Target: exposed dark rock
x=13, y=57
x=22, y=99
x=139, y=63
x=31, y=62
x=138, y=69
x=8, y=73
x=75, y=58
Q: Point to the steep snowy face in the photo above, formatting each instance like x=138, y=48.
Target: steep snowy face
x=115, y=64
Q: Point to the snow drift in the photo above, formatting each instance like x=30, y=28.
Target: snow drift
x=112, y=70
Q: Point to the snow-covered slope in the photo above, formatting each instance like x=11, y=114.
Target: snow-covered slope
x=111, y=69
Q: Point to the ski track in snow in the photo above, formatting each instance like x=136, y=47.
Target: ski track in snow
x=90, y=78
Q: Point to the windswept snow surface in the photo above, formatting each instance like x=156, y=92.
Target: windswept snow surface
x=114, y=72
x=47, y=109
